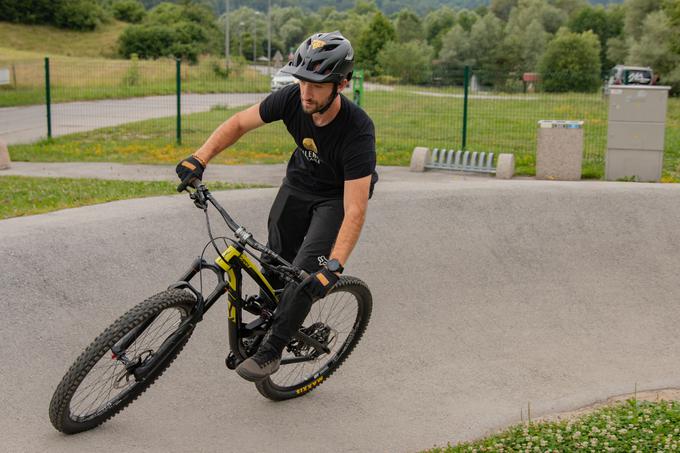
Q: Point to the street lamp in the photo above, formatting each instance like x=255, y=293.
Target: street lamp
x=227, y=49
x=240, y=38
x=269, y=37
x=255, y=36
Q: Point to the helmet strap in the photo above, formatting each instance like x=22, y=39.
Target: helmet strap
x=334, y=94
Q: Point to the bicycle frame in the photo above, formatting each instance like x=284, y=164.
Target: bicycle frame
x=228, y=268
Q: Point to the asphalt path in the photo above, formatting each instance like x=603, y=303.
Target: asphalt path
x=29, y=124
x=488, y=296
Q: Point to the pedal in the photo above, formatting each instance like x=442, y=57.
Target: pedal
x=231, y=362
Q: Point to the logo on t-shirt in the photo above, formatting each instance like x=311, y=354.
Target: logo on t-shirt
x=309, y=150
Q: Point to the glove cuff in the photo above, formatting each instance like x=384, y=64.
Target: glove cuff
x=200, y=161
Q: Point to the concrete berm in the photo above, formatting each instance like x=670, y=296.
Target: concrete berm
x=5, y=162
x=420, y=158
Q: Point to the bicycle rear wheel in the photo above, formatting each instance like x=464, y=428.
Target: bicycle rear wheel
x=337, y=321
x=101, y=383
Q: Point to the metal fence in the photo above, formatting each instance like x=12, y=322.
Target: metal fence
x=164, y=102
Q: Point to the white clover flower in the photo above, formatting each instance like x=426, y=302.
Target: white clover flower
x=576, y=435
x=623, y=431
x=544, y=442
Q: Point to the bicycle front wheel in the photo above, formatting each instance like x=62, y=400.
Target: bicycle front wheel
x=337, y=321
x=101, y=383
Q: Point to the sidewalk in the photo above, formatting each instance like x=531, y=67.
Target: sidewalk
x=247, y=174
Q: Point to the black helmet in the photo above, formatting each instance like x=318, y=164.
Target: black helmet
x=323, y=57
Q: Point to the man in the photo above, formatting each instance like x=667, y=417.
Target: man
x=318, y=213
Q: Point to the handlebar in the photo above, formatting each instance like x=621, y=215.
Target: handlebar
x=203, y=195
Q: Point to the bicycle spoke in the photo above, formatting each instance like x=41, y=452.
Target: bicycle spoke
x=101, y=386
x=338, y=312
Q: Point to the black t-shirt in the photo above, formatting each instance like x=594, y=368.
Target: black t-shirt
x=327, y=156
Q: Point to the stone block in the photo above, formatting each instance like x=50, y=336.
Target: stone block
x=505, y=166
x=5, y=163
x=560, y=150
x=420, y=158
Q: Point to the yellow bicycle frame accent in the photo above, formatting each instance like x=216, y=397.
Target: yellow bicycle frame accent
x=224, y=261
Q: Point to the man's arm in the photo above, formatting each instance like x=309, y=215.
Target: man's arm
x=230, y=131
x=356, y=203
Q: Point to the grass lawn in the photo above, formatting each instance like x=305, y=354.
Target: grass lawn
x=77, y=79
x=403, y=120
x=42, y=40
x=21, y=195
x=630, y=426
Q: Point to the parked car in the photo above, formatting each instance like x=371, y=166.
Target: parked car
x=280, y=80
x=629, y=75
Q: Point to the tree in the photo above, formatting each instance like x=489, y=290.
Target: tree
x=170, y=30
x=411, y=61
x=467, y=19
x=379, y=32
x=605, y=24
x=129, y=11
x=72, y=14
x=436, y=24
x=502, y=8
x=486, y=37
x=571, y=63
x=617, y=51
x=408, y=26
x=636, y=12
x=655, y=49
x=457, y=50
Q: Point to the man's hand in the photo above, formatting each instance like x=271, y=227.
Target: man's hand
x=189, y=169
x=319, y=284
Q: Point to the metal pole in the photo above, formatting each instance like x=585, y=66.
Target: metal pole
x=465, y=105
x=240, y=39
x=48, y=97
x=269, y=37
x=227, y=49
x=179, y=102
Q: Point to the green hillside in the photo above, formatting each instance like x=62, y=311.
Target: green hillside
x=46, y=40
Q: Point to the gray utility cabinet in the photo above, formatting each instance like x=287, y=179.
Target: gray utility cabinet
x=635, y=137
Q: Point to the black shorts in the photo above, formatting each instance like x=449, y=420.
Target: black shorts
x=303, y=228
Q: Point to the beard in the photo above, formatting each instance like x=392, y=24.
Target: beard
x=314, y=107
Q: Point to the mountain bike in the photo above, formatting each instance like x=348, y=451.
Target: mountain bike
x=125, y=359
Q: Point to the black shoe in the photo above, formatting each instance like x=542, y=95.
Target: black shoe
x=262, y=364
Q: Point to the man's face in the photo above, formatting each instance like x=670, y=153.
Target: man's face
x=314, y=96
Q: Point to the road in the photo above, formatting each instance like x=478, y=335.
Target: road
x=29, y=124
x=488, y=296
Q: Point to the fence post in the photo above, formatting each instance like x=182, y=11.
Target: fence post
x=179, y=102
x=358, y=86
x=48, y=97
x=466, y=84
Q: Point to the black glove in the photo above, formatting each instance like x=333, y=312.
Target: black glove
x=188, y=170
x=319, y=284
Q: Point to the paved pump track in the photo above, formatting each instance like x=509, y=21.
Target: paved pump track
x=488, y=295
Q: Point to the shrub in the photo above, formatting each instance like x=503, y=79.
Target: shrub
x=571, y=63
x=410, y=61
x=131, y=11
x=181, y=31
x=79, y=15
x=132, y=75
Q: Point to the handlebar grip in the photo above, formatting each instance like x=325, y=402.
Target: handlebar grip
x=189, y=181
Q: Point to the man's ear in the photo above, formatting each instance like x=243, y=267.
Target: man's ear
x=342, y=85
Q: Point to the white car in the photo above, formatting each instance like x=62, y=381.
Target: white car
x=280, y=80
